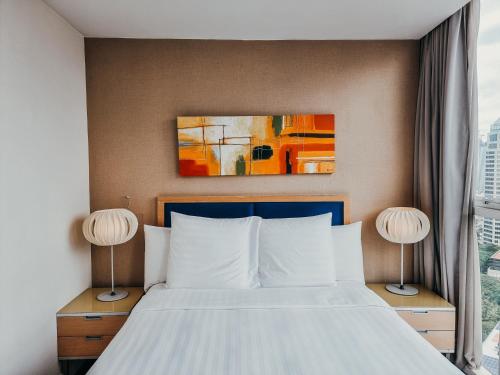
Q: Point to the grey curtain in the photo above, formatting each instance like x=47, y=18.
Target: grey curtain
x=447, y=261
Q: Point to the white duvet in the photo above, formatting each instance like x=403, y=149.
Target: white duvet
x=346, y=329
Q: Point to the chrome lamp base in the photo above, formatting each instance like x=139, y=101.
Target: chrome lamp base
x=401, y=289
x=111, y=296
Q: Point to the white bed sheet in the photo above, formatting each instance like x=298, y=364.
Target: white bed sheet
x=343, y=329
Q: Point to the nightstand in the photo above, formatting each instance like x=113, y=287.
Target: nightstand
x=429, y=314
x=85, y=326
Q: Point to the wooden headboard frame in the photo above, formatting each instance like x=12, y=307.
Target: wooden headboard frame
x=162, y=200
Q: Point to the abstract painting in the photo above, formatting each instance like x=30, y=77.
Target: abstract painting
x=256, y=145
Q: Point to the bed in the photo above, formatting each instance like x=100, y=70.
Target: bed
x=341, y=329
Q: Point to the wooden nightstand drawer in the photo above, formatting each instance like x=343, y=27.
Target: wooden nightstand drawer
x=101, y=325
x=86, y=346
x=429, y=320
x=428, y=313
x=86, y=326
x=444, y=341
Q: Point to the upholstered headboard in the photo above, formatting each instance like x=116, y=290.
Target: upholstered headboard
x=268, y=207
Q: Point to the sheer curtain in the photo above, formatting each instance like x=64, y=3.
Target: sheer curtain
x=445, y=156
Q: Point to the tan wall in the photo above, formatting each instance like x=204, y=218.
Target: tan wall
x=136, y=88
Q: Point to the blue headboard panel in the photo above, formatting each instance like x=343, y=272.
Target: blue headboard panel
x=217, y=210
x=232, y=207
x=278, y=210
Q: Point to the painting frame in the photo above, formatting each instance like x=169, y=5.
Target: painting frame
x=256, y=145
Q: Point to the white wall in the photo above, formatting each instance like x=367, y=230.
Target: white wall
x=44, y=186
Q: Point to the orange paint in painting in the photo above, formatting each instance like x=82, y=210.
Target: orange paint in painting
x=256, y=145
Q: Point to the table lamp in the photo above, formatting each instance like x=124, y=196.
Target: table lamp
x=109, y=228
x=403, y=225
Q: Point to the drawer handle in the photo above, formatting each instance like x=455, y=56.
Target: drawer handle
x=420, y=312
x=93, y=338
x=93, y=317
x=423, y=331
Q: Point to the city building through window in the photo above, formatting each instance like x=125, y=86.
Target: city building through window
x=488, y=179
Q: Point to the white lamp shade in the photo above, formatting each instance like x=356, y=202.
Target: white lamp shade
x=403, y=225
x=110, y=227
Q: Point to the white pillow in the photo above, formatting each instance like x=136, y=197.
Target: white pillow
x=212, y=253
x=157, y=246
x=348, y=252
x=296, y=252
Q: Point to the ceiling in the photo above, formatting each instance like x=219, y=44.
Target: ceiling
x=256, y=19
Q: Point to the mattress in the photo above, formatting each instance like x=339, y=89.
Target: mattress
x=344, y=329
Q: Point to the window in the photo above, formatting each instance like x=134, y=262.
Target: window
x=488, y=178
